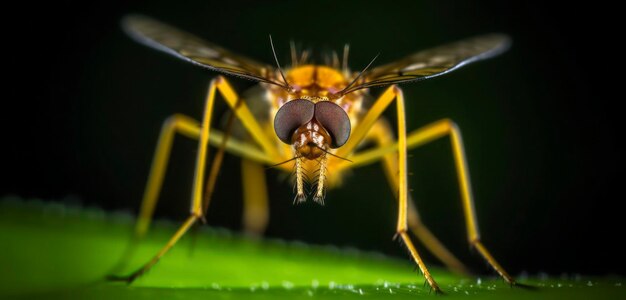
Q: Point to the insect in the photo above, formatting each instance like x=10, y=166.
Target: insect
x=312, y=120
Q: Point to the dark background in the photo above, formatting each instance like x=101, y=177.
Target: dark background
x=84, y=104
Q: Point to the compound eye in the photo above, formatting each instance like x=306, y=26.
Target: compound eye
x=335, y=120
x=292, y=115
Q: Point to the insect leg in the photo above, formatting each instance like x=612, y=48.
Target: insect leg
x=161, y=157
x=382, y=135
x=216, y=165
x=247, y=119
x=255, y=206
x=361, y=130
x=176, y=123
x=256, y=213
x=196, y=205
x=423, y=136
x=240, y=148
x=449, y=127
x=357, y=137
x=255, y=199
x=402, y=226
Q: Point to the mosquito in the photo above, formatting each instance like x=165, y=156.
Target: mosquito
x=310, y=120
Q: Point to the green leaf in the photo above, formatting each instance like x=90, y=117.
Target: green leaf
x=55, y=251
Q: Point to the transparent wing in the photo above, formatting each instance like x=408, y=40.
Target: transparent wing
x=191, y=48
x=434, y=62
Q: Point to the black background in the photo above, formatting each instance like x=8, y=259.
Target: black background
x=84, y=104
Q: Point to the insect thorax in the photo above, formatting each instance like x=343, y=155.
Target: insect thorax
x=318, y=83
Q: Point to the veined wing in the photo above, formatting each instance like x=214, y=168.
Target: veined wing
x=191, y=48
x=434, y=62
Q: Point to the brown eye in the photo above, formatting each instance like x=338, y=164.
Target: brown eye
x=335, y=120
x=292, y=115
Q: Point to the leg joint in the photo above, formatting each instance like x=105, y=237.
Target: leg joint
x=174, y=119
x=396, y=89
x=400, y=231
x=218, y=80
x=450, y=124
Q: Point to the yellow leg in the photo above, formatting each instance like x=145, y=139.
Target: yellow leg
x=175, y=124
x=179, y=233
x=240, y=148
x=255, y=200
x=427, y=134
x=357, y=137
x=190, y=128
x=217, y=165
x=155, y=180
x=403, y=189
x=382, y=135
x=247, y=119
x=373, y=114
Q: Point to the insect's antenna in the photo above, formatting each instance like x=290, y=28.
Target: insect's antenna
x=335, y=60
x=284, y=162
x=346, y=50
x=278, y=64
x=331, y=154
x=294, y=53
x=358, y=76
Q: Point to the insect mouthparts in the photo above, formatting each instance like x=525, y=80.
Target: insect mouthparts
x=319, y=180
